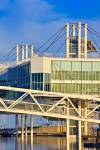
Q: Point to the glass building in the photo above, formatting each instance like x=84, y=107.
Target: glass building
x=74, y=74
x=56, y=75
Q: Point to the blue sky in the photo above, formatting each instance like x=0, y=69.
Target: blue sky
x=33, y=21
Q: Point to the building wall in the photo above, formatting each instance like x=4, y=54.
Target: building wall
x=72, y=76
x=41, y=73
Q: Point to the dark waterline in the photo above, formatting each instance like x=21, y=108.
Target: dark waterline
x=39, y=143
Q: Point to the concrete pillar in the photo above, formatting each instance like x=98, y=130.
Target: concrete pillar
x=73, y=29
x=79, y=129
x=32, y=50
x=85, y=123
x=67, y=40
x=79, y=40
x=16, y=125
x=26, y=51
x=31, y=124
x=22, y=53
x=67, y=128
x=22, y=123
x=17, y=53
x=26, y=126
x=22, y=144
x=85, y=40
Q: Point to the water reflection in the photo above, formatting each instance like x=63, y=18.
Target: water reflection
x=37, y=143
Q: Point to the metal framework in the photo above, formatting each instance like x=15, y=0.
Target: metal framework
x=52, y=107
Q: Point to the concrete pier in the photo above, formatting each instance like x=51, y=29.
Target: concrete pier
x=79, y=129
x=26, y=126
x=31, y=125
x=17, y=122
x=67, y=128
x=22, y=124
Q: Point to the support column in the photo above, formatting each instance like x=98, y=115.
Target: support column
x=85, y=40
x=22, y=123
x=79, y=129
x=16, y=125
x=73, y=29
x=67, y=128
x=79, y=40
x=32, y=50
x=17, y=53
x=67, y=40
x=26, y=51
x=22, y=53
x=26, y=126
x=31, y=124
x=85, y=123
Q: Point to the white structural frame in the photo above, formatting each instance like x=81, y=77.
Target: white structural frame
x=50, y=108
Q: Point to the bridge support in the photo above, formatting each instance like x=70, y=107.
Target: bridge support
x=22, y=124
x=85, y=123
x=67, y=128
x=79, y=129
x=31, y=124
x=16, y=125
x=67, y=134
x=31, y=128
x=26, y=127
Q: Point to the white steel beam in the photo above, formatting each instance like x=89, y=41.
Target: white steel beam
x=2, y=102
x=17, y=53
x=79, y=40
x=58, y=102
x=26, y=48
x=74, y=107
x=67, y=40
x=79, y=128
x=53, y=115
x=22, y=124
x=37, y=102
x=17, y=101
x=73, y=29
x=91, y=111
x=78, y=96
x=85, y=40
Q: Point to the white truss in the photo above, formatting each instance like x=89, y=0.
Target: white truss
x=57, y=109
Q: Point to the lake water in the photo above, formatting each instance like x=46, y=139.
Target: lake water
x=38, y=143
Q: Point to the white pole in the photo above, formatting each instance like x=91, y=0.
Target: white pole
x=32, y=50
x=79, y=40
x=73, y=29
x=67, y=40
x=26, y=127
x=16, y=125
x=17, y=52
x=31, y=124
x=22, y=52
x=85, y=123
x=67, y=128
x=22, y=123
x=26, y=51
x=85, y=40
x=79, y=129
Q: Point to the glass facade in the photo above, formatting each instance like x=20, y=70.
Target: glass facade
x=18, y=76
x=41, y=81
x=73, y=47
x=75, y=76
